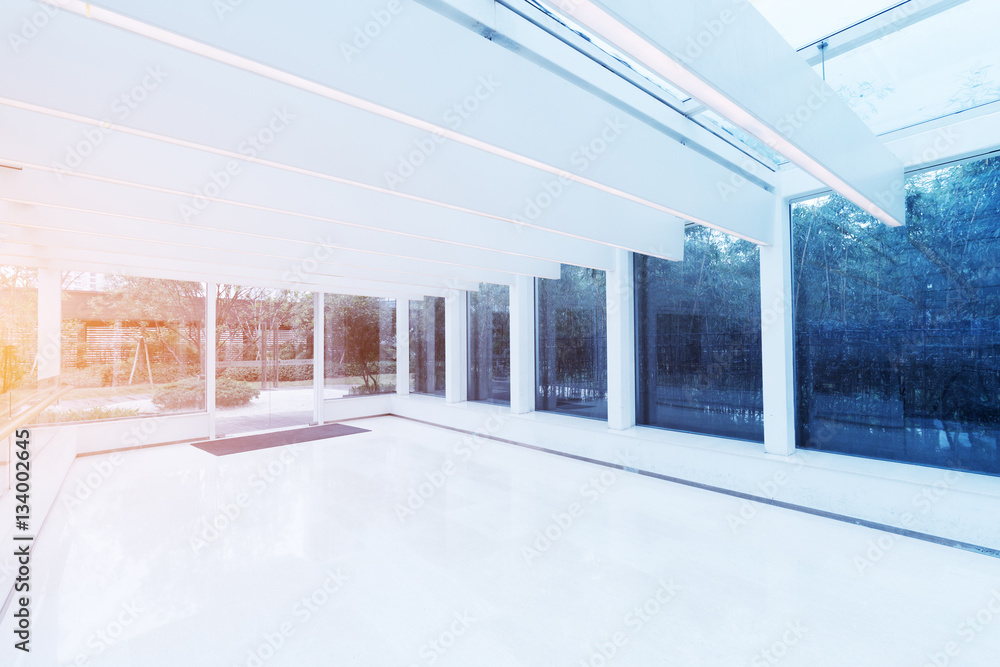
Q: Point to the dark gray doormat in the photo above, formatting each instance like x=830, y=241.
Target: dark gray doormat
x=249, y=443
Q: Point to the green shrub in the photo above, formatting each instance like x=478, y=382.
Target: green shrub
x=230, y=393
x=190, y=393
x=186, y=393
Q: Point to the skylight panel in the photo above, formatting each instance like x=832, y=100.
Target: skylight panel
x=944, y=65
x=802, y=22
x=624, y=60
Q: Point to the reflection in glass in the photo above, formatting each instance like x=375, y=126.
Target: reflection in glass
x=489, y=344
x=427, y=370
x=698, y=338
x=897, y=330
x=360, y=349
x=572, y=343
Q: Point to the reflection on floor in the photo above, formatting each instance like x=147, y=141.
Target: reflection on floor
x=251, y=423
x=413, y=545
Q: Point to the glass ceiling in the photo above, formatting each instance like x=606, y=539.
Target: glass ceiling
x=752, y=146
x=706, y=118
x=940, y=66
x=802, y=22
x=936, y=67
x=622, y=59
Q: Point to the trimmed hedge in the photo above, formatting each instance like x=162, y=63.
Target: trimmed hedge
x=252, y=373
x=190, y=393
x=186, y=393
x=241, y=373
x=230, y=393
x=103, y=375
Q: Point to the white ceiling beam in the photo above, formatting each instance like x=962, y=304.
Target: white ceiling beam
x=31, y=261
x=574, y=216
x=126, y=263
x=730, y=58
x=116, y=231
x=22, y=226
x=31, y=140
x=531, y=33
x=121, y=207
x=971, y=134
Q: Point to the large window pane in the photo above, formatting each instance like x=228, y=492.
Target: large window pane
x=489, y=344
x=897, y=330
x=264, y=349
x=698, y=338
x=18, y=342
x=572, y=343
x=18, y=335
x=427, y=371
x=360, y=345
x=130, y=347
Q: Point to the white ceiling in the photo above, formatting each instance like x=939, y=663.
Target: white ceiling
x=466, y=215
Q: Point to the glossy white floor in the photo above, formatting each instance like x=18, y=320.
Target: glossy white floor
x=412, y=545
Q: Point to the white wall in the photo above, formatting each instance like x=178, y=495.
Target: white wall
x=109, y=435
x=52, y=454
x=117, y=434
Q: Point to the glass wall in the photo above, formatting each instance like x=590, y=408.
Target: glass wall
x=489, y=344
x=18, y=343
x=360, y=347
x=572, y=343
x=18, y=334
x=427, y=371
x=897, y=330
x=698, y=335
x=130, y=347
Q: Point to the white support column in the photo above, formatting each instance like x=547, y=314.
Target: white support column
x=319, y=356
x=621, y=342
x=49, y=356
x=456, y=340
x=402, y=346
x=777, y=336
x=522, y=345
x=211, y=303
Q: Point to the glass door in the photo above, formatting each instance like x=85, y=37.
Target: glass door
x=264, y=347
